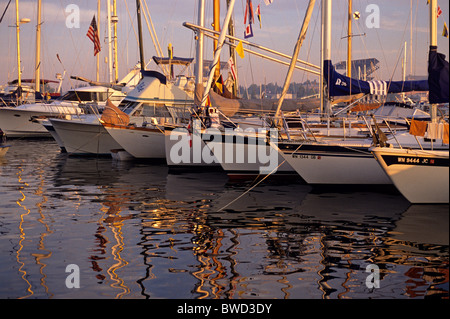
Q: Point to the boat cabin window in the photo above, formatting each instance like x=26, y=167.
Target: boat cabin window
x=101, y=96
x=77, y=96
x=128, y=106
x=155, y=110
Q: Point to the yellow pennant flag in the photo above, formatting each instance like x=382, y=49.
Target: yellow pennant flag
x=445, y=31
x=240, y=50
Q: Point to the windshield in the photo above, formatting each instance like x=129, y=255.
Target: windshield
x=77, y=96
x=128, y=106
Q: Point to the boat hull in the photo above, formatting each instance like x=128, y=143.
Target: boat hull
x=334, y=164
x=17, y=123
x=246, y=155
x=82, y=138
x=186, y=151
x=420, y=176
x=144, y=143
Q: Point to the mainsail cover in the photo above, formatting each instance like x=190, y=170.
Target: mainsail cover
x=438, y=73
x=340, y=85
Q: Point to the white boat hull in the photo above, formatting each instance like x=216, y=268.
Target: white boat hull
x=323, y=163
x=139, y=142
x=17, y=123
x=183, y=151
x=245, y=158
x=82, y=138
x=420, y=176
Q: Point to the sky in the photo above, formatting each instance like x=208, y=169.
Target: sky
x=280, y=26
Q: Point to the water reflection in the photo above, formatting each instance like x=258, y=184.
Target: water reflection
x=139, y=231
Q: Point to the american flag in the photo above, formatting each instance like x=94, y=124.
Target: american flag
x=92, y=34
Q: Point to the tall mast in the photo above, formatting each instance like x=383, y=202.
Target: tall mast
x=116, y=61
x=19, y=75
x=200, y=37
x=219, y=49
x=298, y=45
x=141, y=44
x=110, y=56
x=98, y=30
x=199, y=58
x=433, y=45
x=37, y=73
x=216, y=24
x=349, y=40
x=326, y=46
x=233, y=51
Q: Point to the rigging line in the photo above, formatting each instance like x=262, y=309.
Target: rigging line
x=4, y=12
x=132, y=24
x=251, y=188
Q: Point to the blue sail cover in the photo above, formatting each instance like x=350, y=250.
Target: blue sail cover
x=341, y=85
x=438, y=73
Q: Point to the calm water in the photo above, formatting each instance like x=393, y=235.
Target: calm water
x=136, y=231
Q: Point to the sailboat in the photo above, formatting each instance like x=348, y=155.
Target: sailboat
x=158, y=102
x=422, y=174
x=21, y=121
x=348, y=160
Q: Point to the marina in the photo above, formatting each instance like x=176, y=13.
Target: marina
x=137, y=231
x=179, y=180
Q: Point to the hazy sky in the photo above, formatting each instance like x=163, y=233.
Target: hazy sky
x=281, y=22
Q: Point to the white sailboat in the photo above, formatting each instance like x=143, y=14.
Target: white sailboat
x=18, y=121
x=422, y=174
x=162, y=101
x=158, y=104
x=83, y=133
x=345, y=161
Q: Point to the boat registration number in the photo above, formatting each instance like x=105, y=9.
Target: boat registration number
x=302, y=156
x=416, y=160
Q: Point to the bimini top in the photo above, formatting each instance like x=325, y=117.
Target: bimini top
x=174, y=60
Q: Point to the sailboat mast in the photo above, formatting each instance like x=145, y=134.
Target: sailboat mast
x=116, y=61
x=326, y=47
x=433, y=45
x=200, y=38
x=219, y=49
x=298, y=45
x=349, y=40
x=19, y=75
x=37, y=72
x=141, y=44
x=98, y=30
x=110, y=56
x=232, y=51
x=216, y=25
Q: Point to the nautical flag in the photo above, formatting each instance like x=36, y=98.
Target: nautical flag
x=270, y=1
x=445, y=31
x=248, y=31
x=249, y=12
x=170, y=51
x=219, y=84
x=240, y=49
x=232, y=68
x=92, y=34
x=439, y=11
x=258, y=14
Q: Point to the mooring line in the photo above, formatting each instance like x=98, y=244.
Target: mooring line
x=247, y=191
